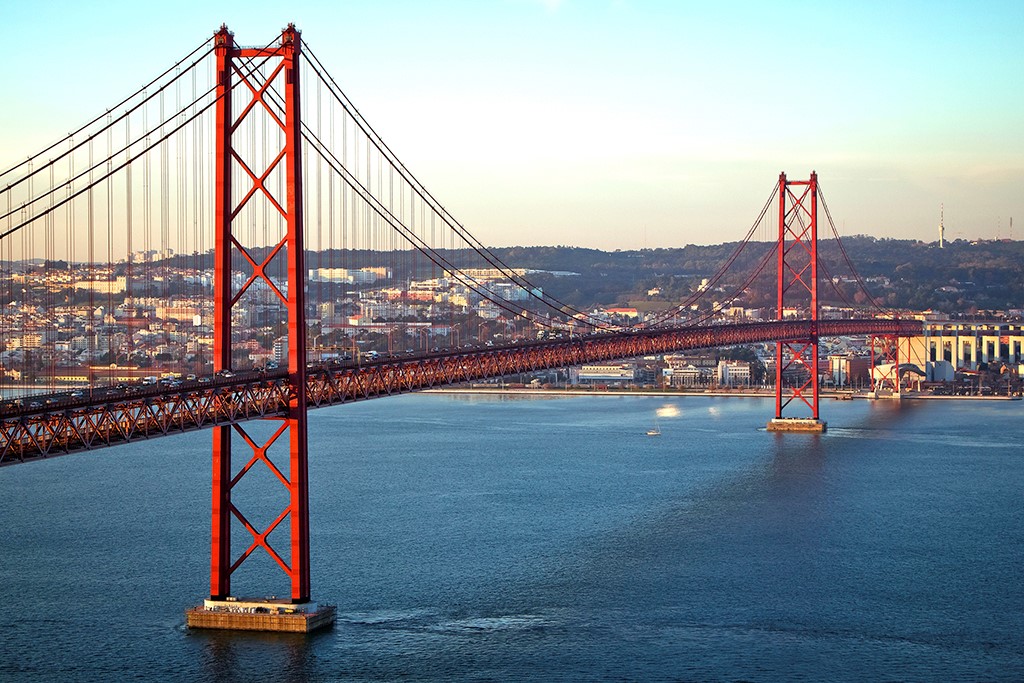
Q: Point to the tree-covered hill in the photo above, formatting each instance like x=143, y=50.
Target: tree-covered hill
x=960, y=278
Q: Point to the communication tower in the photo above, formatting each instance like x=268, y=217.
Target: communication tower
x=942, y=228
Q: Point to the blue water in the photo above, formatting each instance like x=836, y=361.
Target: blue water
x=494, y=539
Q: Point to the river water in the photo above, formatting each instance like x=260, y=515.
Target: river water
x=489, y=538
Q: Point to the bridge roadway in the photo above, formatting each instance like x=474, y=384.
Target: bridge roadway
x=106, y=416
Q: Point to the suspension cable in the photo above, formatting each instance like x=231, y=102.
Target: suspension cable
x=426, y=196
x=669, y=313
x=435, y=256
x=416, y=241
x=846, y=257
x=112, y=170
x=70, y=136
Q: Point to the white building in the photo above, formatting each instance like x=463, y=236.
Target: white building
x=360, y=276
x=606, y=373
x=114, y=286
x=733, y=373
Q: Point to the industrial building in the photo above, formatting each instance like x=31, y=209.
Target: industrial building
x=957, y=345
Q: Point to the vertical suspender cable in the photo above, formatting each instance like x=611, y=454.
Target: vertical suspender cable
x=111, y=276
x=129, y=228
x=91, y=277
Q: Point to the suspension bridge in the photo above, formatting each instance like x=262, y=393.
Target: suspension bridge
x=240, y=201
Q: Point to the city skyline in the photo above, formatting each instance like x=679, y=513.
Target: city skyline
x=613, y=124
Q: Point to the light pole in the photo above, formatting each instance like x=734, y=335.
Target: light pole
x=316, y=347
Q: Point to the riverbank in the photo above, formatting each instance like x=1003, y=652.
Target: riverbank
x=738, y=393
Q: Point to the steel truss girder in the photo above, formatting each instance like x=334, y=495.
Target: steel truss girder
x=32, y=435
x=87, y=426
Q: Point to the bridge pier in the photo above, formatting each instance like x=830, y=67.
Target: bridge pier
x=807, y=425
x=261, y=614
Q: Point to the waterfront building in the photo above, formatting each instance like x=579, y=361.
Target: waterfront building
x=606, y=373
x=965, y=346
x=733, y=373
x=692, y=369
x=848, y=370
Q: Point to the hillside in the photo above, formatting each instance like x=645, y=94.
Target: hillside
x=961, y=278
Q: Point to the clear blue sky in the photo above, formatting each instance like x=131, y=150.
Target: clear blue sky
x=608, y=123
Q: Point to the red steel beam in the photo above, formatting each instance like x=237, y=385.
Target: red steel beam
x=220, y=505
x=299, y=460
x=797, y=268
x=76, y=425
x=232, y=80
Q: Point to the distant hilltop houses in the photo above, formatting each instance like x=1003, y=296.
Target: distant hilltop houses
x=69, y=324
x=153, y=314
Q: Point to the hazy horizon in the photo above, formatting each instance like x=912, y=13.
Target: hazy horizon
x=614, y=124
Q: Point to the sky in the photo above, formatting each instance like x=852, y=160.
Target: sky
x=611, y=124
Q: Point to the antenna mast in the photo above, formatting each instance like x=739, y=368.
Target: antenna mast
x=942, y=228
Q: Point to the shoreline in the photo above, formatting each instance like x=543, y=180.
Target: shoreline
x=837, y=396
x=832, y=395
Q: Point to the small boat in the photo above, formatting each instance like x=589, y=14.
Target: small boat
x=655, y=430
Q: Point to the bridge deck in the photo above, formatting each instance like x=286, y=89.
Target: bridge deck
x=108, y=416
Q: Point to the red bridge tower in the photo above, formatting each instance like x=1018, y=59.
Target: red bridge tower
x=796, y=360
x=246, y=180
